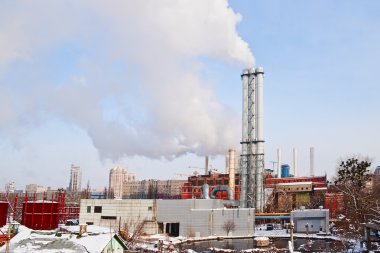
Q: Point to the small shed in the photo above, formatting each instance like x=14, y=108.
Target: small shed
x=310, y=220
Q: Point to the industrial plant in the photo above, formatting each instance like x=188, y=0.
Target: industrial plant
x=247, y=193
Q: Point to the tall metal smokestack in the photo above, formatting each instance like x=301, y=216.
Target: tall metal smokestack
x=244, y=140
x=231, y=170
x=279, y=163
x=252, y=156
x=206, y=165
x=260, y=139
x=295, y=162
x=312, y=162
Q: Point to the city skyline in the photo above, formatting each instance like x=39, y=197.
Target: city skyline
x=155, y=86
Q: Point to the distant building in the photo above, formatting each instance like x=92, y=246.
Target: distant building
x=10, y=187
x=75, y=178
x=34, y=188
x=117, y=178
x=153, y=189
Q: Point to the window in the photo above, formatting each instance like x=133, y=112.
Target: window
x=219, y=182
x=89, y=223
x=97, y=209
x=88, y=209
x=108, y=217
x=225, y=182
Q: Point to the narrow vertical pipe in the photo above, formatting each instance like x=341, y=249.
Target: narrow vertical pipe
x=259, y=120
x=206, y=165
x=312, y=162
x=279, y=163
x=243, y=160
x=231, y=171
x=251, y=144
x=295, y=162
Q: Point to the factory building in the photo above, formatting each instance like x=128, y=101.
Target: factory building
x=286, y=193
x=193, y=217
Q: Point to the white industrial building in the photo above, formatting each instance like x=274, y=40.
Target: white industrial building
x=310, y=220
x=192, y=217
x=203, y=217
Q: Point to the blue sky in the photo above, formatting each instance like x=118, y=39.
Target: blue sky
x=154, y=86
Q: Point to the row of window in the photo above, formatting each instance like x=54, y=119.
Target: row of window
x=98, y=209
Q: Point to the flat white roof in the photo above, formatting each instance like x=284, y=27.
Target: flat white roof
x=296, y=183
x=320, y=188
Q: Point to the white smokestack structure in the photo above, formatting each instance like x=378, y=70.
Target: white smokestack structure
x=279, y=163
x=244, y=140
x=260, y=140
x=206, y=165
x=312, y=162
x=231, y=170
x=252, y=156
x=295, y=161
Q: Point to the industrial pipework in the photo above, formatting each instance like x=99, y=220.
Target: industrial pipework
x=231, y=170
x=205, y=191
x=222, y=188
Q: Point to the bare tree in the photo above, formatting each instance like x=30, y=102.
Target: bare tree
x=229, y=226
x=132, y=231
x=361, y=204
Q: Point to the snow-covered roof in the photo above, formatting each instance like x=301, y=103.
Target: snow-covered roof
x=27, y=240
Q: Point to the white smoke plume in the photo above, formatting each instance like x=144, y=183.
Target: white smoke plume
x=137, y=87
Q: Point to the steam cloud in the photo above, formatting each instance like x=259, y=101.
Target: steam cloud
x=134, y=72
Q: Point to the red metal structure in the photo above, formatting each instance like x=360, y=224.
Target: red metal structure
x=43, y=211
x=3, y=213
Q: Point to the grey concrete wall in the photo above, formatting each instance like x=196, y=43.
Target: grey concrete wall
x=124, y=210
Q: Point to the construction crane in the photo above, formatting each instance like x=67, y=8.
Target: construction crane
x=182, y=175
x=273, y=163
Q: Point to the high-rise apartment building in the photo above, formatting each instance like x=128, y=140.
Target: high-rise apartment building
x=75, y=178
x=116, y=180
